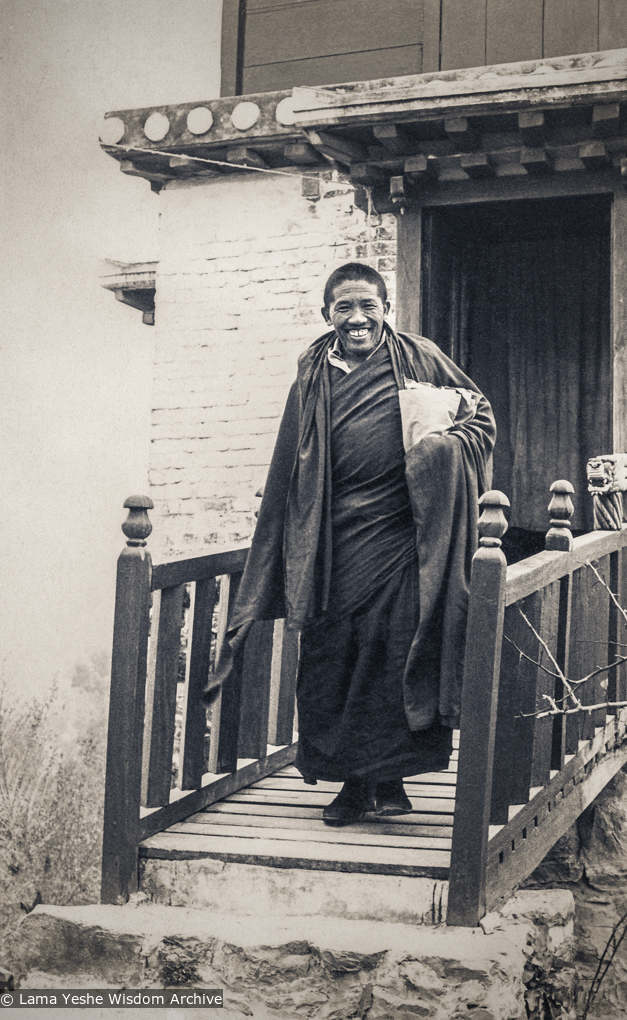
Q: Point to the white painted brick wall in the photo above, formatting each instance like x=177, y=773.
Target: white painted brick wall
x=243, y=264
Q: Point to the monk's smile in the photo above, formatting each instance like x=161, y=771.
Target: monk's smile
x=357, y=314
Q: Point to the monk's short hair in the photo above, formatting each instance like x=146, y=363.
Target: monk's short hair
x=354, y=271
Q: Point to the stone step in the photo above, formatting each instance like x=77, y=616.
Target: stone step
x=280, y=967
x=250, y=889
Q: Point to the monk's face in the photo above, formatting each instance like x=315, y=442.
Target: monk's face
x=357, y=313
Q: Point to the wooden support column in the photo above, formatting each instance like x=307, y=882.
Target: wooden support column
x=467, y=877
x=408, y=282
x=619, y=319
x=126, y=707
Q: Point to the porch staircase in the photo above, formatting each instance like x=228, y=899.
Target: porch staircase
x=276, y=850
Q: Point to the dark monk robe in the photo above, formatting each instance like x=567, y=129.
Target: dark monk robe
x=366, y=548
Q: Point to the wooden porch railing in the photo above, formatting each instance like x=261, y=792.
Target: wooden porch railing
x=523, y=779
x=148, y=721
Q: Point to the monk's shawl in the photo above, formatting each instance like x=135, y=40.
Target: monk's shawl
x=291, y=571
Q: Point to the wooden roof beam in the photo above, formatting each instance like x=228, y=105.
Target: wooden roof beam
x=532, y=127
x=477, y=165
x=396, y=140
x=461, y=133
x=536, y=161
x=606, y=120
x=594, y=156
x=343, y=150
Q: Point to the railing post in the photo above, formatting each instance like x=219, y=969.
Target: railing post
x=559, y=536
x=126, y=707
x=467, y=876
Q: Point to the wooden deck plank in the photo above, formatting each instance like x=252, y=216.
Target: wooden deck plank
x=274, y=810
x=439, y=805
x=312, y=819
x=288, y=785
x=428, y=779
x=327, y=835
x=181, y=844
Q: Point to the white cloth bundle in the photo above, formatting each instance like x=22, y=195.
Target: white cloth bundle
x=432, y=410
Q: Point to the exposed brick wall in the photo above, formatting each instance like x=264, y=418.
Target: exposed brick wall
x=242, y=268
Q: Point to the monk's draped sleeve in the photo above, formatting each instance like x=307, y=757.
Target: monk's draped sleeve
x=446, y=473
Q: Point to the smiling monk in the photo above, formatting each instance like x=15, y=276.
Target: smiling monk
x=364, y=540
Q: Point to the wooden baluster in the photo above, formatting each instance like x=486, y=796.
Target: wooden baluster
x=559, y=539
x=467, y=877
x=126, y=707
x=287, y=688
x=225, y=711
x=255, y=703
x=617, y=636
x=164, y=698
x=559, y=536
x=285, y=656
x=195, y=711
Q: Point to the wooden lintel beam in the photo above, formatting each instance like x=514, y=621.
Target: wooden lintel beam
x=461, y=133
x=367, y=174
x=605, y=120
x=532, y=127
x=248, y=157
x=477, y=165
x=341, y=149
x=536, y=161
x=594, y=155
x=301, y=153
x=394, y=138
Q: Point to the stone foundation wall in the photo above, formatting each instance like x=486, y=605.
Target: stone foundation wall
x=239, y=287
x=517, y=967
x=591, y=862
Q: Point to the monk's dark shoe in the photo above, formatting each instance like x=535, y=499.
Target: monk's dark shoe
x=350, y=805
x=389, y=798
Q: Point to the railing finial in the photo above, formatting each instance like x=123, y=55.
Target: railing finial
x=559, y=537
x=492, y=522
x=137, y=526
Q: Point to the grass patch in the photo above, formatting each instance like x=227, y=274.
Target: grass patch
x=52, y=768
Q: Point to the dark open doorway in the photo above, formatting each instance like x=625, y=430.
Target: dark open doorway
x=518, y=294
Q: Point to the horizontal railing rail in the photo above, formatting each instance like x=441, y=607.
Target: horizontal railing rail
x=544, y=701
x=169, y=754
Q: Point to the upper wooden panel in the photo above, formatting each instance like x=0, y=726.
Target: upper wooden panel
x=274, y=44
x=278, y=44
x=477, y=32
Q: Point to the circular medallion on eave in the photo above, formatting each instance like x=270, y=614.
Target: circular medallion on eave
x=199, y=120
x=285, y=112
x=245, y=115
x=112, y=131
x=156, y=127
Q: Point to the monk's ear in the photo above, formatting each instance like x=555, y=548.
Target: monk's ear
x=325, y=315
x=386, y=308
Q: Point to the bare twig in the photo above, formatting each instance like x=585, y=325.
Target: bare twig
x=557, y=676
x=623, y=612
x=560, y=673
x=611, y=948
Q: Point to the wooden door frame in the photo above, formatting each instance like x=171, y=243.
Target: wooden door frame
x=411, y=254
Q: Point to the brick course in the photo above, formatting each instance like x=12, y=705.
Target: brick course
x=238, y=294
